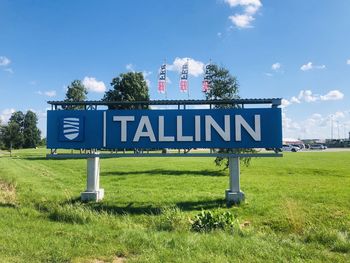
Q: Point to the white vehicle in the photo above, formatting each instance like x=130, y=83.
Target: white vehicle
x=318, y=147
x=290, y=148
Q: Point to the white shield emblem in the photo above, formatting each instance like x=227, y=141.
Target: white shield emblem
x=71, y=128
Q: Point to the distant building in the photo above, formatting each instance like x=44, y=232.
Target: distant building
x=295, y=142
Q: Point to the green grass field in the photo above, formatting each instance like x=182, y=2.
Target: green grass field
x=297, y=209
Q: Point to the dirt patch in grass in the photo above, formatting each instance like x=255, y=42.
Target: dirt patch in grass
x=114, y=260
x=7, y=194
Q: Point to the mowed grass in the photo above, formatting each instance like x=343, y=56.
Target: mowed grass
x=297, y=209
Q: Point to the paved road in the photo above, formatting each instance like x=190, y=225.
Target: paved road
x=329, y=150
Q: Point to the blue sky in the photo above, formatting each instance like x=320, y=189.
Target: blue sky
x=297, y=50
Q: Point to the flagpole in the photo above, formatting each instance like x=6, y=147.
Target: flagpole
x=188, y=85
x=166, y=92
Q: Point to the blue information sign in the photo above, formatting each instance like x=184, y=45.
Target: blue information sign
x=154, y=129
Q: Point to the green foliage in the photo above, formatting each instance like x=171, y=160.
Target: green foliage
x=21, y=131
x=207, y=221
x=12, y=133
x=31, y=133
x=222, y=85
x=130, y=87
x=42, y=142
x=18, y=117
x=296, y=210
x=2, y=146
x=12, y=136
x=220, y=161
x=76, y=91
x=172, y=219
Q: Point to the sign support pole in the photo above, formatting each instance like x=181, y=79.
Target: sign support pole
x=234, y=195
x=93, y=191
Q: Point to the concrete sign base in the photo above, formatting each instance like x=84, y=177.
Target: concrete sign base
x=92, y=196
x=234, y=195
x=93, y=191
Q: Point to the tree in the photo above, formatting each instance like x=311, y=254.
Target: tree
x=76, y=91
x=224, y=86
x=1, y=136
x=10, y=139
x=12, y=136
x=130, y=86
x=18, y=117
x=31, y=133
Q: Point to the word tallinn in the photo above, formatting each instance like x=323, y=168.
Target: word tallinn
x=146, y=130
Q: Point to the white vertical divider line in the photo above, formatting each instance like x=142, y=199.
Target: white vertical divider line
x=104, y=130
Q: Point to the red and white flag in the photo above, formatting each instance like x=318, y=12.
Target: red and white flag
x=162, y=79
x=205, y=85
x=205, y=82
x=184, y=78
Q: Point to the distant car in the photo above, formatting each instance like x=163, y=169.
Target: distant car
x=301, y=146
x=317, y=147
x=290, y=148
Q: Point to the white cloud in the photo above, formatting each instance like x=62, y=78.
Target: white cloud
x=348, y=62
x=276, y=66
x=333, y=95
x=6, y=114
x=130, y=67
x=250, y=8
x=195, y=68
x=241, y=20
x=9, y=70
x=268, y=74
x=49, y=93
x=306, y=67
x=309, y=66
x=339, y=115
x=219, y=34
x=288, y=123
x=246, y=3
x=285, y=103
x=307, y=96
x=4, y=61
x=294, y=100
x=145, y=76
x=94, y=85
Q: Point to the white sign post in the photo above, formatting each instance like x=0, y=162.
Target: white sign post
x=234, y=193
x=93, y=191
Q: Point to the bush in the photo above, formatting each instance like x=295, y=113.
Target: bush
x=208, y=221
x=172, y=219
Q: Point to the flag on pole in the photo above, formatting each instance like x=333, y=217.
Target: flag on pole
x=184, y=78
x=162, y=79
x=205, y=85
x=205, y=82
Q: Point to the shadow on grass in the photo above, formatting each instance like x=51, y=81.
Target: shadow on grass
x=34, y=158
x=167, y=172
x=8, y=205
x=148, y=209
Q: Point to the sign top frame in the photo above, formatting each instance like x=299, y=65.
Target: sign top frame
x=274, y=102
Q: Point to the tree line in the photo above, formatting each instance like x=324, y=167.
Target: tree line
x=21, y=131
x=131, y=86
